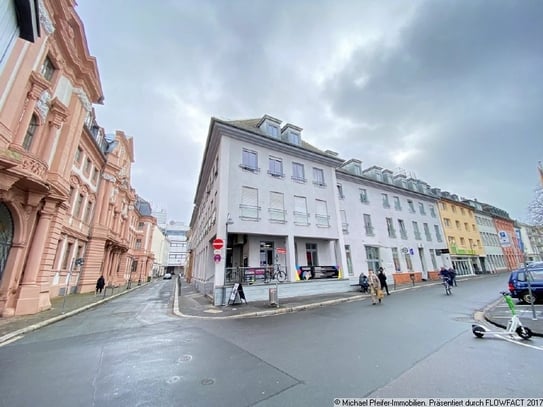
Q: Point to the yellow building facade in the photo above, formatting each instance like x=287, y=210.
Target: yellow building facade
x=462, y=236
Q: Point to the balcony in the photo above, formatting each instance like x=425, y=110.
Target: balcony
x=463, y=252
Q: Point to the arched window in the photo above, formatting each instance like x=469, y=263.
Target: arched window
x=29, y=136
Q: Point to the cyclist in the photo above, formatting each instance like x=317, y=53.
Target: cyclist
x=446, y=276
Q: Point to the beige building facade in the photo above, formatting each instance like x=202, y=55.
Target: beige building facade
x=68, y=213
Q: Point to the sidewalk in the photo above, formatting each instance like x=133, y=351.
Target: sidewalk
x=61, y=307
x=191, y=304
x=498, y=313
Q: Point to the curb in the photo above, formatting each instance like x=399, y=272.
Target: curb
x=279, y=311
x=12, y=335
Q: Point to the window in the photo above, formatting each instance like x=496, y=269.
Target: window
x=78, y=155
x=294, y=138
x=432, y=211
x=318, y=177
x=272, y=130
x=443, y=206
x=408, y=261
x=453, y=208
x=416, y=230
x=321, y=213
x=77, y=207
x=363, y=196
x=433, y=257
x=390, y=228
x=30, y=132
x=275, y=167
x=277, y=207
x=411, y=206
x=340, y=191
x=473, y=227
x=88, y=165
x=249, y=160
x=311, y=254
x=397, y=204
x=386, y=203
x=451, y=240
x=372, y=257
x=403, y=231
x=88, y=212
x=95, y=175
x=344, y=224
x=427, y=232
x=447, y=222
x=140, y=225
x=47, y=69
x=466, y=226
x=67, y=254
x=462, y=242
x=349, y=259
x=298, y=173
x=249, y=209
x=421, y=209
x=457, y=223
x=367, y=225
x=396, y=259
x=301, y=217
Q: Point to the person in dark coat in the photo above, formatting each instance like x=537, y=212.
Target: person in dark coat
x=383, y=280
x=100, y=284
x=452, y=276
x=363, y=282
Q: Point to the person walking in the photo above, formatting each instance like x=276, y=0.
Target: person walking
x=100, y=284
x=383, y=280
x=375, y=288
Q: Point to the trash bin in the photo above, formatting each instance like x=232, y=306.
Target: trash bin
x=272, y=292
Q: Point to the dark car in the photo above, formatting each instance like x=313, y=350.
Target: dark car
x=518, y=283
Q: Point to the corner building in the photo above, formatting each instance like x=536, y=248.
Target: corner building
x=65, y=198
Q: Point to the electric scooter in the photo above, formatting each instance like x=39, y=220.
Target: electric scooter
x=514, y=325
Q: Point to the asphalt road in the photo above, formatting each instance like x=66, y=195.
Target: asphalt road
x=133, y=351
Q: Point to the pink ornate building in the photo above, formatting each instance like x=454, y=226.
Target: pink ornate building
x=68, y=212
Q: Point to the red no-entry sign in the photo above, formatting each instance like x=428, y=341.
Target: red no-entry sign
x=218, y=244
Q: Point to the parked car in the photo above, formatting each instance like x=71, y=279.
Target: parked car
x=167, y=276
x=518, y=283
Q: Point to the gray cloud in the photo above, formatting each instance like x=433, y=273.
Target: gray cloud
x=449, y=90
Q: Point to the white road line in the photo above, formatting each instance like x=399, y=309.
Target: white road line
x=16, y=338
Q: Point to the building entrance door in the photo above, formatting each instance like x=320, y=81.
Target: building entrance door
x=266, y=253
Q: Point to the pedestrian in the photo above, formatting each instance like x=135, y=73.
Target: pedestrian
x=363, y=282
x=383, y=280
x=375, y=288
x=452, y=276
x=100, y=283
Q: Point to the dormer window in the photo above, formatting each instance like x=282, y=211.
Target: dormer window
x=294, y=138
x=357, y=169
x=272, y=130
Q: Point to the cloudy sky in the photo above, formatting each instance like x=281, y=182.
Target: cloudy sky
x=451, y=91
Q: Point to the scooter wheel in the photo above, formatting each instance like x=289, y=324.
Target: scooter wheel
x=478, y=331
x=524, y=332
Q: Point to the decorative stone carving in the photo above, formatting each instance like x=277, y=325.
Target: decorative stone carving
x=108, y=177
x=84, y=99
x=42, y=103
x=45, y=19
x=34, y=166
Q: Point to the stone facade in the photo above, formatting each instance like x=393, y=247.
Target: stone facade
x=67, y=210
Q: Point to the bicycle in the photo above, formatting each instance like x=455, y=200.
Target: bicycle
x=275, y=273
x=447, y=284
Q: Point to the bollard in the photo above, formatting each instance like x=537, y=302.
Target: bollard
x=412, y=277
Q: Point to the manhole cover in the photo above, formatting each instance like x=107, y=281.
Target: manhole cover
x=185, y=358
x=207, y=382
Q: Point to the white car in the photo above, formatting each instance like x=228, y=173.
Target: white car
x=167, y=276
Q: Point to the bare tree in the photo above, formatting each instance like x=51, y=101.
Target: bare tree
x=536, y=208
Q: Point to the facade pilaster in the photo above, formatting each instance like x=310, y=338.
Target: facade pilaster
x=29, y=292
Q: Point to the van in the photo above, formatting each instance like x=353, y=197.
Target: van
x=518, y=283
